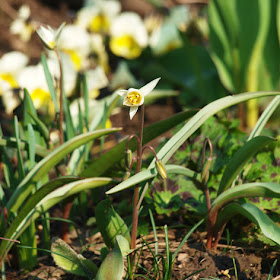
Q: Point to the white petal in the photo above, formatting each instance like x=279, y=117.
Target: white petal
x=132, y=112
x=149, y=87
x=122, y=92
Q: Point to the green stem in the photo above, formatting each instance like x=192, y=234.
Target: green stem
x=61, y=117
x=136, y=190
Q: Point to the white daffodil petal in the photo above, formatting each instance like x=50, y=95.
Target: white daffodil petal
x=132, y=111
x=122, y=92
x=149, y=87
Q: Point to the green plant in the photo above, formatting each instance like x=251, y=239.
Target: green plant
x=227, y=197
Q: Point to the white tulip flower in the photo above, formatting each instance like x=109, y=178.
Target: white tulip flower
x=49, y=37
x=134, y=98
x=128, y=35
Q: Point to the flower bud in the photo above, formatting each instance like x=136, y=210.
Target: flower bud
x=161, y=169
x=128, y=158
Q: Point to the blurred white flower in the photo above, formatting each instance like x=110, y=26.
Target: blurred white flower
x=96, y=80
x=69, y=73
x=134, y=98
x=98, y=49
x=22, y=26
x=10, y=66
x=75, y=41
x=166, y=37
x=33, y=79
x=98, y=15
x=128, y=35
x=49, y=37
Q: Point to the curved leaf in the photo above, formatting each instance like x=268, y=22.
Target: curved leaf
x=66, y=258
x=151, y=173
x=253, y=213
x=258, y=189
x=200, y=117
x=47, y=196
x=112, y=267
x=115, y=155
x=109, y=223
x=269, y=110
x=23, y=145
x=240, y=158
x=198, y=120
x=50, y=161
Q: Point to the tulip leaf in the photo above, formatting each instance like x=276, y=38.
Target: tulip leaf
x=49, y=162
x=116, y=154
x=23, y=145
x=259, y=189
x=109, y=223
x=41, y=126
x=151, y=173
x=240, y=158
x=66, y=258
x=112, y=267
x=253, y=213
x=49, y=81
x=46, y=197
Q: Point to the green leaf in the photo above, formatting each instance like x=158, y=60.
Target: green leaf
x=21, y=171
x=253, y=213
x=46, y=197
x=66, y=258
x=116, y=154
x=240, y=158
x=109, y=223
x=112, y=267
x=151, y=173
x=11, y=142
x=49, y=81
x=200, y=117
x=258, y=189
x=41, y=126
x=49, y=162
x=31, y=143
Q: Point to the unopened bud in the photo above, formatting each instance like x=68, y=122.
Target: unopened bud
x=205, y=171
x=128, y=158
x=161, y=169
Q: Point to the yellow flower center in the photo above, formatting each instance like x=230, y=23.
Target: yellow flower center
x=9, y=79
x=134, y=98
x=125, y=46
x=99, y=23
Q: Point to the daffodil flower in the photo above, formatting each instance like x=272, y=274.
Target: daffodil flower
x=134, y=98
x=48, y=36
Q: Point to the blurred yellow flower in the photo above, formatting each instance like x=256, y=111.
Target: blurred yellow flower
x=11, y=64
x=128, y=35
x=23, y=26
x=98, y=15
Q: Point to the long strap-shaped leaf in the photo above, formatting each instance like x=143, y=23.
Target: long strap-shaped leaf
x=49, y=195
x=115, y=155
x=50, y=161
x=259, y=189
x=253, y=213
x=23, y=145
x=240, y=158
x=200, y=117
x=151, y=173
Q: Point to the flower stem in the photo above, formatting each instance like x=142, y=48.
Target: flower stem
x=61, y=117
x=136, y=190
